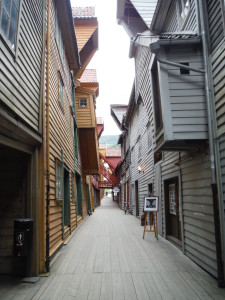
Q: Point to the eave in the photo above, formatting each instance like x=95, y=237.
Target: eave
x=64, y=12
x=89, y=159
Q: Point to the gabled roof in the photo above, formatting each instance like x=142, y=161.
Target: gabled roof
x=135, y=15
x=89, y=75
x=86, y=28
x=83, y=12
x=89, y=81
x=118, y=112
x=113, y=152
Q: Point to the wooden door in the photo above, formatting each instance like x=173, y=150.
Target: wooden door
x=173, y=224
x=136, y=198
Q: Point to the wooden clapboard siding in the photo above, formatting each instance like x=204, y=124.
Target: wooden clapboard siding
x=84, y=114
x=197, y=206
x=216, y=25
x=84, y=31
x=61, y=139
x=171, y=23
x=188, y=114
x=21, y=73
x=146, y=9
x=215, y=22
x=138, y=134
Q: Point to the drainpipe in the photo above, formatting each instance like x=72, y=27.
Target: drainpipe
x=47, y=261
x=74, y=117
x=208, y=85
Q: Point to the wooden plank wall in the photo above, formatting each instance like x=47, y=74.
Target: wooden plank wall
x=171, y=22
x=141, y=121
x=217, y=56
x=61, y=135
x=186, y=95
x=84, y=114
x=21, y=72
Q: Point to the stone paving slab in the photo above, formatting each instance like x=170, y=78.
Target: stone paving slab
x=107, y=259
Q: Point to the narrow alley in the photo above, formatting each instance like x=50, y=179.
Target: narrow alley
x=106, y=258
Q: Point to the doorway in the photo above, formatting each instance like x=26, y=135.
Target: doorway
x=173, y=218
x=136, y=198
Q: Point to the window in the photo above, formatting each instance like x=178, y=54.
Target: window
x=83, y=102
x=184, y=71
x=9, y=12
x=59, y=39
x=157, y=157
x=60, y=91
x=156, y=96
x=139, y=149
x=183, y=10
x=58, y=180
x=150, y=137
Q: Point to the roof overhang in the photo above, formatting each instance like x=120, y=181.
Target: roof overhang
x=64, y=12
x=116, y=110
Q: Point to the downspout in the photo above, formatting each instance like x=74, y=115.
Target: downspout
x=208, y=85
x=47, y=261
x=43, y=155
x=74, y=136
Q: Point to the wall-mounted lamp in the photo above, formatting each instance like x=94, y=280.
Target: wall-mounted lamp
x=140, y=169
x=121, y=182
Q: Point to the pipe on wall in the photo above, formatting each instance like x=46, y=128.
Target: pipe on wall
x=208, y=86
x=47, y=259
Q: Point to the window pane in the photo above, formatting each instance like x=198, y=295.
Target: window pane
x=12, y=35
x=5, y=22
x=14, y=14
x=7, y=5
x=62, y=49
x=17, y=2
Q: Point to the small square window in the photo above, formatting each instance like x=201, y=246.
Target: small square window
x=184, y=71
x=83, y=102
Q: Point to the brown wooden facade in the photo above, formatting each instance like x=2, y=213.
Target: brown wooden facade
x=21, y=70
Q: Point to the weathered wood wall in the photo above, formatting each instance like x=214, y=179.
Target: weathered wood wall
x=21, y=69
x=61, y=136
x=216, y=24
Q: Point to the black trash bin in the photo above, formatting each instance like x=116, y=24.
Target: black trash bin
x=23, y=235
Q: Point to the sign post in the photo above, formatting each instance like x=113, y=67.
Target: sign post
x=151, y=208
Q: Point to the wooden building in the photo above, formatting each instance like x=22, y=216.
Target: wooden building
x=21, y=89
x=59, y=155
x=87, y=89
x=170, y=60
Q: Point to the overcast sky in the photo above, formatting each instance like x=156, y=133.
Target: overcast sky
x=115, y=70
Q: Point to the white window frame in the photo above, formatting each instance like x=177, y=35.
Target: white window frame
x=16, y=5
x=83, y=100
x=59, y=39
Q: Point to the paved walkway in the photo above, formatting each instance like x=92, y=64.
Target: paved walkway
x=107, y=259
